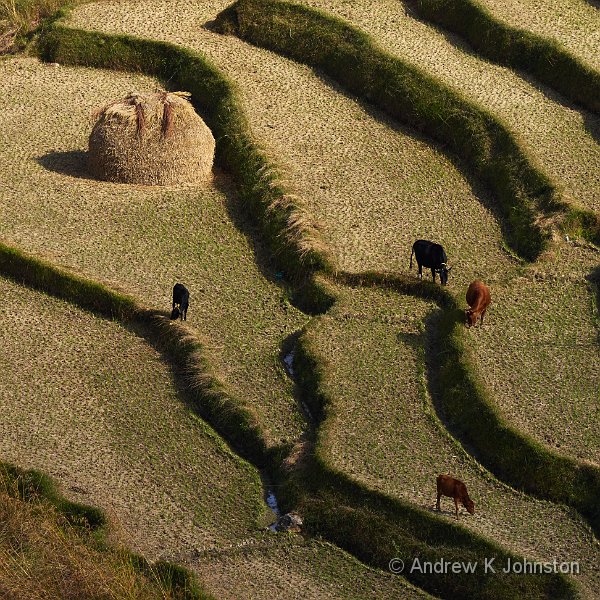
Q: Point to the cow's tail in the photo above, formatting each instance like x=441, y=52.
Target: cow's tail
x=411, y=255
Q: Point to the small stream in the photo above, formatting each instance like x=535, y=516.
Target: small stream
x=288, y=362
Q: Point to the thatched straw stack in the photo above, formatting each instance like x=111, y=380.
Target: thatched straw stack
x=152, y=139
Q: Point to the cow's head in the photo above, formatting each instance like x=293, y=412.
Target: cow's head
x=444, y=270
x=174, y=314
x=469, y=505
x=471, y=317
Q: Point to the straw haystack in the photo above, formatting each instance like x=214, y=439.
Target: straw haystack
x=151, y=139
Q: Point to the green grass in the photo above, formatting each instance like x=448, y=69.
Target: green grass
x=545, y=58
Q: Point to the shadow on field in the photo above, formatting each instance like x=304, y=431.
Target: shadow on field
x=594, y=282
x=591, y=123
x=72, y=163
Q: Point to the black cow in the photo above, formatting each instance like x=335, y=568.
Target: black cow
x=181, y=301
x=431, y=255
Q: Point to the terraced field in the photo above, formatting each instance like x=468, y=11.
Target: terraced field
x=575, y=24
x=384, y=432
x=293, y=568
x=96, y=407
x=141, y=239
x=355, y=168
x=563, y=139
x=92, y=405
x=373, y=211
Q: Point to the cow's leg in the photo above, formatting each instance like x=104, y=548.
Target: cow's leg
x=420, y=271
x=433, y=274
x=482, y=315
x=456, y=505
x=437, y=504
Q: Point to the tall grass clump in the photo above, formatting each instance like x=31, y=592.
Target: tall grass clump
x=53, y=548
x=545, y=59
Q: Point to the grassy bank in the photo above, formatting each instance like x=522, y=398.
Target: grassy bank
x=52, y=546
x=413, y=96
x=547, y=60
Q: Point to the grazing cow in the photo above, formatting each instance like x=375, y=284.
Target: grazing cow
x=478, y=298
x=432, y=256
x=454, y=488
x=181, y=301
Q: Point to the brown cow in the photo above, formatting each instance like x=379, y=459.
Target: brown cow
x=454, y=488
x=478, y=298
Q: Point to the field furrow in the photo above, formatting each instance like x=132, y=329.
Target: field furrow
x=93, y=405
x=563, y=140
x=375, y=186
x=293, y=569
x=383, y=430
x=575, y=24
x=141, y=239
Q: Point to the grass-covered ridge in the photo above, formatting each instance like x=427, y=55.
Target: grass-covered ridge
x=408, y=93
x=546, y=59
x=50, y=545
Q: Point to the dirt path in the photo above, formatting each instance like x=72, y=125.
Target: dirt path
x=138, y=238
x=385, y=432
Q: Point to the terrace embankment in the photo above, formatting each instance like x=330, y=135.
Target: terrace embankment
x=562, y=139
x=564, y=261
x=142, y=239
x=574, y=24
x=375, y=186
x=381, y=429
x=94, y=406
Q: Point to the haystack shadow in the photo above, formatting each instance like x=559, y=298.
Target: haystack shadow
x=73, y=163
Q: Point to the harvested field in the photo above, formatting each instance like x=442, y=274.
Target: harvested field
x=384, y=432
x=92, y=405
x=291, y=568
x=538, y=353
x=561, y=138
x=375, y=186
x=575, y=24
x=141, y=239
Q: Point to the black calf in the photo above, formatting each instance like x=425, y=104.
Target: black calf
x=181, y=301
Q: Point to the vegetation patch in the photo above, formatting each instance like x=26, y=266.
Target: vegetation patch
x=51, y=546
x=546, y=59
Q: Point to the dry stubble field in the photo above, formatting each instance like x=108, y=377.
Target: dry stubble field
x=575, y=24
x=377, y=188
x=385, y=432
x=91, y=404
x=141, y=239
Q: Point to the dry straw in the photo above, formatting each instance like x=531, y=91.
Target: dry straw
x=151, y=139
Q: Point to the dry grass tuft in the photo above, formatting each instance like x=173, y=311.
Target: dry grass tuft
x=43, y=556
x=151, y=139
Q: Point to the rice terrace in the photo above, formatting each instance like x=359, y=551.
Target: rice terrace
x=300, y=299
